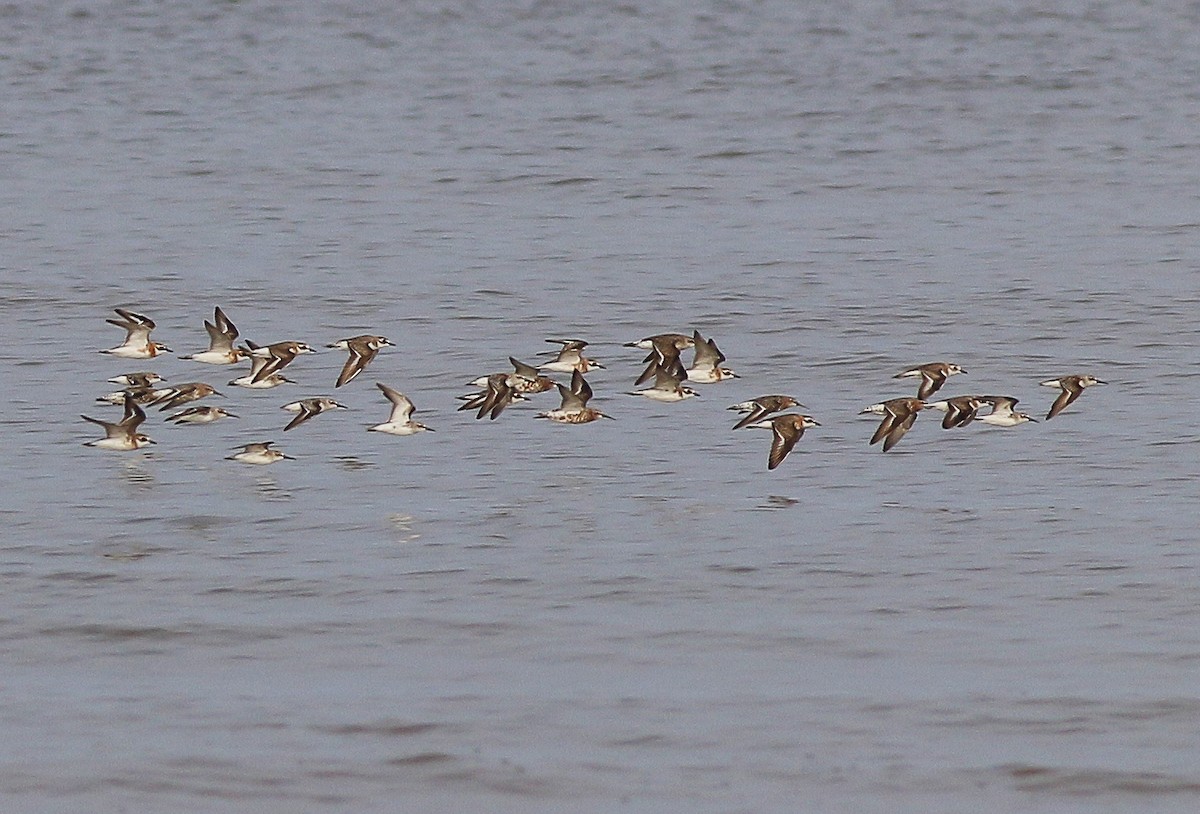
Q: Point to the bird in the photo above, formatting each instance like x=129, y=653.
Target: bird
x=525, y=378
x=706, y=365
x=1003, y=414
x=252, y=379
x=497, y=395
x=137, y=344
x=362, y=351
x=960, y=410
x=664, y=355
x=142, y=395
x=898, y=418
x=1072, y=387
x=759, y=408
x=200, y=415
x=141, y=379
x=574, y=409
x=667, y=387
x=181, y=394
x=570, y=358
x=400, y=420
x=308, y=408
x=278, y=355
x=122, y=435
x=933, y=376
x=787, y=429
x=259, y=453
x=221, y=335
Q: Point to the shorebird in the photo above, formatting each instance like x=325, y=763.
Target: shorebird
x=143, y=379
x=278, y=355
x=759, y=408
x=1003, y=414
x=308, y=408
x=898, y=418
x=706, y=366
x=179, y=395
x=497, y=395
x=664, y=355
x=574, y=409
x=253, y=379
x=122, y=435
x=960, y=410
x=933, y=376
x=666, y=388
x=137, y=344
x=221, y=336
x=787, y=429
x=525, y=378
x=200, y=415
x=141, y=395
x=400, y=420
x=362, y=351
x=570, y=358
x=259, y=453
x=1072, y=387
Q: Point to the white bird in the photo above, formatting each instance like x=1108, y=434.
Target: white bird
x=400, y=421
x=122, y=435
x=137, y=344
x=259, y=454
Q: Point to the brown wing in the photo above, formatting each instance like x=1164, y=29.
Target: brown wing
x=785, y=437
x=305, y=414
x=885, y=427
x=360, y=356
x=1068, y=395
x=931, y=382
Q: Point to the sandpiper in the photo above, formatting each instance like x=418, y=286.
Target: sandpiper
x=574, y=409
x=141, y=379
x=525, y=378
x=260, y=454
x=1003, y=414
x=1071, y=386
x=252, y=380
x=308, y=408
x=960, y=410
x=221, y=336
x=122, y=435
x=200, y=415
x=400, y=420
x=362, y=351
x=898, y=418
x=660, y=341
x=787, y=429
x=933, y=376
x=278, y=355
x=141, y=395
x=666, y=388
x=181, y=394
x=706, y=366
x=664, y=355
x=759, y=408
x=137, y=344
x=570, y=358
x=497, y=395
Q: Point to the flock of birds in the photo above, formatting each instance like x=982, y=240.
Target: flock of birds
x=663, y=366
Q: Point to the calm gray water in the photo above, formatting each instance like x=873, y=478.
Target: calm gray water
x=635, y=615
